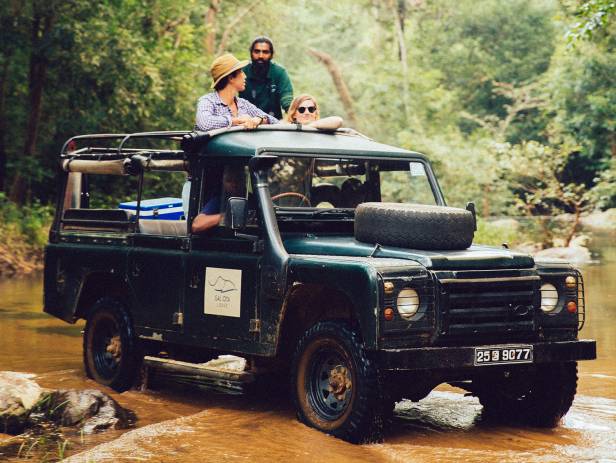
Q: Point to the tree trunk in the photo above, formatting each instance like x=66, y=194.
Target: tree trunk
x=398, y=10
x=574, y=227
x=210, y=25
x=224, y=39
x=339, y=83
x=4, y=77
x=42, y=24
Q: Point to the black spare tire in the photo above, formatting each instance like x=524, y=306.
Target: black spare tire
x=416, y=226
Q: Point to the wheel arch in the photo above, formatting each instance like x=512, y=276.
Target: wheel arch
x=97, y=285
x=348, y=293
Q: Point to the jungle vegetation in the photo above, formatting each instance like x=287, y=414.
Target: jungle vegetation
x=513, y=100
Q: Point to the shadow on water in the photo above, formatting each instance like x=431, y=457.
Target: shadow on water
x=23, y=315
x=70, y=330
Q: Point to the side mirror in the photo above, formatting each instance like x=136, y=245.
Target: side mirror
x=235, y=214
x=471, y=208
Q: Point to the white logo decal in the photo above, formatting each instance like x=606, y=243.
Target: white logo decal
x=223, y=292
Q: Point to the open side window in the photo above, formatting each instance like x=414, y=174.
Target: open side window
x=125, y=190
x=224, y=180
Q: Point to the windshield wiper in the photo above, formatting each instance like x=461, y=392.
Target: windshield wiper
x=334, y=211
x=300, y=212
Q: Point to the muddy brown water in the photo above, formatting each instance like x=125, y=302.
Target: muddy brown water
x=201, y=426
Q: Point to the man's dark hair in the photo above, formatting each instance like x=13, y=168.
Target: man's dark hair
x=222, y=83
x=262, y=39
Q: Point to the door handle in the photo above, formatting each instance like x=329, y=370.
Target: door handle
x=136, y=269
x=194, y=281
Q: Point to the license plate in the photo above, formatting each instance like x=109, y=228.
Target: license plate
x=499, y=355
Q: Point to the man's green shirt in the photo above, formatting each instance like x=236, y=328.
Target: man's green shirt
x=271, y=93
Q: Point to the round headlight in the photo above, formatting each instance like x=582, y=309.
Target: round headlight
x=549, y=297
x=407, y=303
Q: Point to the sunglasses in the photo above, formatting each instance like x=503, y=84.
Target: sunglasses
x=302, y=109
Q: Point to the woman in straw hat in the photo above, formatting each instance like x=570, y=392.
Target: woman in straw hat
x=223, y=108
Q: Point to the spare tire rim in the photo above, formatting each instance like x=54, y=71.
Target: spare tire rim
x=330, y=385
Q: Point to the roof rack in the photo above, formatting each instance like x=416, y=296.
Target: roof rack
x=116, y=159
x=119, y=151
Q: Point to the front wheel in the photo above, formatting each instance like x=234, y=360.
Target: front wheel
x=109, y=348
x=538, y=398
x=335, y=383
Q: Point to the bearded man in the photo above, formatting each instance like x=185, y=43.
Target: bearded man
x=268, y=86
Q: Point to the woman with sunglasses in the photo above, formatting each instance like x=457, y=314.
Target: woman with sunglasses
x=304, y=110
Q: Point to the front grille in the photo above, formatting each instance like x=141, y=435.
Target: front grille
x=581, y=302
x=488, y=307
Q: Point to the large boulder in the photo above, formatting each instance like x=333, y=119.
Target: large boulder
x=18, y=394
x=575, y=255
x=601, y=220
x=91, y=410
x=23, y=403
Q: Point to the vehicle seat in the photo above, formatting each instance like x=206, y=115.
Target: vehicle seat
x=325, y=193
x=352, y=193
x=163, y=227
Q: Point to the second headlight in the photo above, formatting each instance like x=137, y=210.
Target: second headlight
x=549, y=297
x=407, y=303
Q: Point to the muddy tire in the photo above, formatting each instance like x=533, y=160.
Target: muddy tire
x=414, y=226
x=110, y=352
x=335, y=384
x=538, y=399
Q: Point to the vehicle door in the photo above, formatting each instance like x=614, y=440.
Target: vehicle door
x=157, y=259
x=222, y=283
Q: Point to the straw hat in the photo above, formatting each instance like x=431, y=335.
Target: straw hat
x=225, y=65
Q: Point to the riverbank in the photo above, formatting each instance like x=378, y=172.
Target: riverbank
x=18, y=258
x=23, y=234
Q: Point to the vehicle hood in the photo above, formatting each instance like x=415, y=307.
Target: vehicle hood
x=475, y=257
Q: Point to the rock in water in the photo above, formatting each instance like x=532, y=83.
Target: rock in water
x=575, y=255
x=90, y=409
x=23, y=403
x=18, y=394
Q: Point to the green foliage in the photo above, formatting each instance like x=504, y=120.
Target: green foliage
x=29, y=223
x=582, y=88
x=536, y=174
x=495, y=234
x=594, y=16
x=140, y=65
x=604, y=192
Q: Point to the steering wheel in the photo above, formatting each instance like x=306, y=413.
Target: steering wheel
x=294, y=194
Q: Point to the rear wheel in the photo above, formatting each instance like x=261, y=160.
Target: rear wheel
x=335, y=383
x=110, y=353
x=540, y=398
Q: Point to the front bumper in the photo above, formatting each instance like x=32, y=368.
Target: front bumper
x=446, y=358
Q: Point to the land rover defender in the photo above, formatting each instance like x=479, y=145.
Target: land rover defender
x=338, y=265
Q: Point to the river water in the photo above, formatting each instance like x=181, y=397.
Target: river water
x=199, y=426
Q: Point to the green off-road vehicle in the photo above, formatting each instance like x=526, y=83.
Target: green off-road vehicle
x=338, y=265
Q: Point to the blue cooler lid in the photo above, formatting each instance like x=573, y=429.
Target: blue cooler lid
x=153, y=204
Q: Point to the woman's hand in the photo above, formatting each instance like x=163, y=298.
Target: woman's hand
x=253, y=122
x=240, y=120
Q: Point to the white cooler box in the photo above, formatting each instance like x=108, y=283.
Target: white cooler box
x=159, y=208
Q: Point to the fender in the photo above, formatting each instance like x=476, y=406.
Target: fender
x=66, y=276
x=356, y=279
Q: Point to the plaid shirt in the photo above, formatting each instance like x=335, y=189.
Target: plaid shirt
x=212, y=113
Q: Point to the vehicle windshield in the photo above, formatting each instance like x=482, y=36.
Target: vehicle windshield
x=302, y=182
